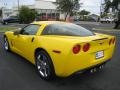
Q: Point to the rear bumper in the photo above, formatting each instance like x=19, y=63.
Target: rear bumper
x=92, y=67
x=83, y=62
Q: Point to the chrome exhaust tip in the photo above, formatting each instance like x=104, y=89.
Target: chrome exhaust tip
x=100, y=67
x=92, y=70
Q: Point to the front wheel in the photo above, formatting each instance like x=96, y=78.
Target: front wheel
x=6, y=44
x=44, y=65
x=5, y=23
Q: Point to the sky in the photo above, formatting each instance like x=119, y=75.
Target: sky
x=90, y=5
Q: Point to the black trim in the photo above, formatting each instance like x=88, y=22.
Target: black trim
x=100, y=39
x=32, y=39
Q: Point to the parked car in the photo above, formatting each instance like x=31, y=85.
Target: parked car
x=12, y=19
x=60, y=48
x=106, y=20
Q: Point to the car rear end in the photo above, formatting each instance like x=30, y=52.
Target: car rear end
x=76, y=48
x=94, y=50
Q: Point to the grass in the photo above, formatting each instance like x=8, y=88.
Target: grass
x=107, y=29
x=4, y=29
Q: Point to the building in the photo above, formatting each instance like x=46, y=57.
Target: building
x=46, y=10
x=15, y=9
x=94, y=17
x=6, y=12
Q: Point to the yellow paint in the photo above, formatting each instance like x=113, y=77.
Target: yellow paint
x=65, y=63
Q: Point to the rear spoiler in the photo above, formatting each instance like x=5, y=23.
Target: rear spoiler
x=100, y=39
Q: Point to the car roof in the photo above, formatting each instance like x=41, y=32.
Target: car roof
x=48, y=22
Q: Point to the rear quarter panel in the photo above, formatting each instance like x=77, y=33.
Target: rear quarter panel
x=51, y=43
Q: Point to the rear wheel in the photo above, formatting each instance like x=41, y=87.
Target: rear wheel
x=44, y=65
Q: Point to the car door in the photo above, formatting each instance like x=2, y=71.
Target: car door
x=23, y=42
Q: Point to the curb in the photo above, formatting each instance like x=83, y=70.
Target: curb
x=96, y=29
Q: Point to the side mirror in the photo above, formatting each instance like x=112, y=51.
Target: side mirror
x=17, y=32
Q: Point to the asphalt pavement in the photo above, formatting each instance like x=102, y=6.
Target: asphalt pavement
x=16, y=73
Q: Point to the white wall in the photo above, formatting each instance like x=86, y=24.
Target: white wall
x=41, y=4
x=6, y=13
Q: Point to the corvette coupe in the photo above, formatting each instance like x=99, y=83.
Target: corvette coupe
x=60, y=48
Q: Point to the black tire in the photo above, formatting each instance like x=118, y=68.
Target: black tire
x=6, y=44
x=6, y=23
x=44, y=65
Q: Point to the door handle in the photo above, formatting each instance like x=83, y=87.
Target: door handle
x=32, y=39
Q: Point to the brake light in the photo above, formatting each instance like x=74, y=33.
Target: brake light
x=76, y=49
x=110, y=42
x=86, y=47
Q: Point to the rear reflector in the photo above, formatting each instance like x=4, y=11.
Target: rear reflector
x=86, y=47
x=76, y=49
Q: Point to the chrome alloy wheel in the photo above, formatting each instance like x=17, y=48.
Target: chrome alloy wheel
x=42, y=65
x=6, y=44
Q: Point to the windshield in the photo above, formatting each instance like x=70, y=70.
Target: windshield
x=66, y=29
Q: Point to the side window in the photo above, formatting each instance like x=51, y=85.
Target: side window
x=53, y=30
x=30, y=30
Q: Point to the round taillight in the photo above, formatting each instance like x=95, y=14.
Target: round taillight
x=86, y=47
x=110, y=42
x=113, y=41
x=76, y=49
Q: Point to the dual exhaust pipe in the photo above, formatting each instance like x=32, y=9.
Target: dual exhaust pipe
x=96, y=68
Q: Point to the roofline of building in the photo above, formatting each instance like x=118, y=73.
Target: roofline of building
x=44, y=1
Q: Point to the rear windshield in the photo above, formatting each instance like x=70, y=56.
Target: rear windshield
x=67, y=29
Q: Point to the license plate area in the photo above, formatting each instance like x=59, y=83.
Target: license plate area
x=99, y=54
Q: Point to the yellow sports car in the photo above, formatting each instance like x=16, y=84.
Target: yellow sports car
x=60, y=48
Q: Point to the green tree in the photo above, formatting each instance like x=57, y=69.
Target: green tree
x=67, y=6
x=83, y=13
x=114, y=4
x=26, y=15
x=103, y=15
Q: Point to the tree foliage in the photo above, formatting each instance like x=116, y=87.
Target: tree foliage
x=113, y=4
x=67, y=6
x=84, y=12
x=26, y=15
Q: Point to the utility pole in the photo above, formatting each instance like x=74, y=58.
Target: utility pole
x=18, y=7
x=18, y=4
x=100, y=8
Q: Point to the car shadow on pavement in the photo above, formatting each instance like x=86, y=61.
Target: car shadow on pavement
x=81, y=80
